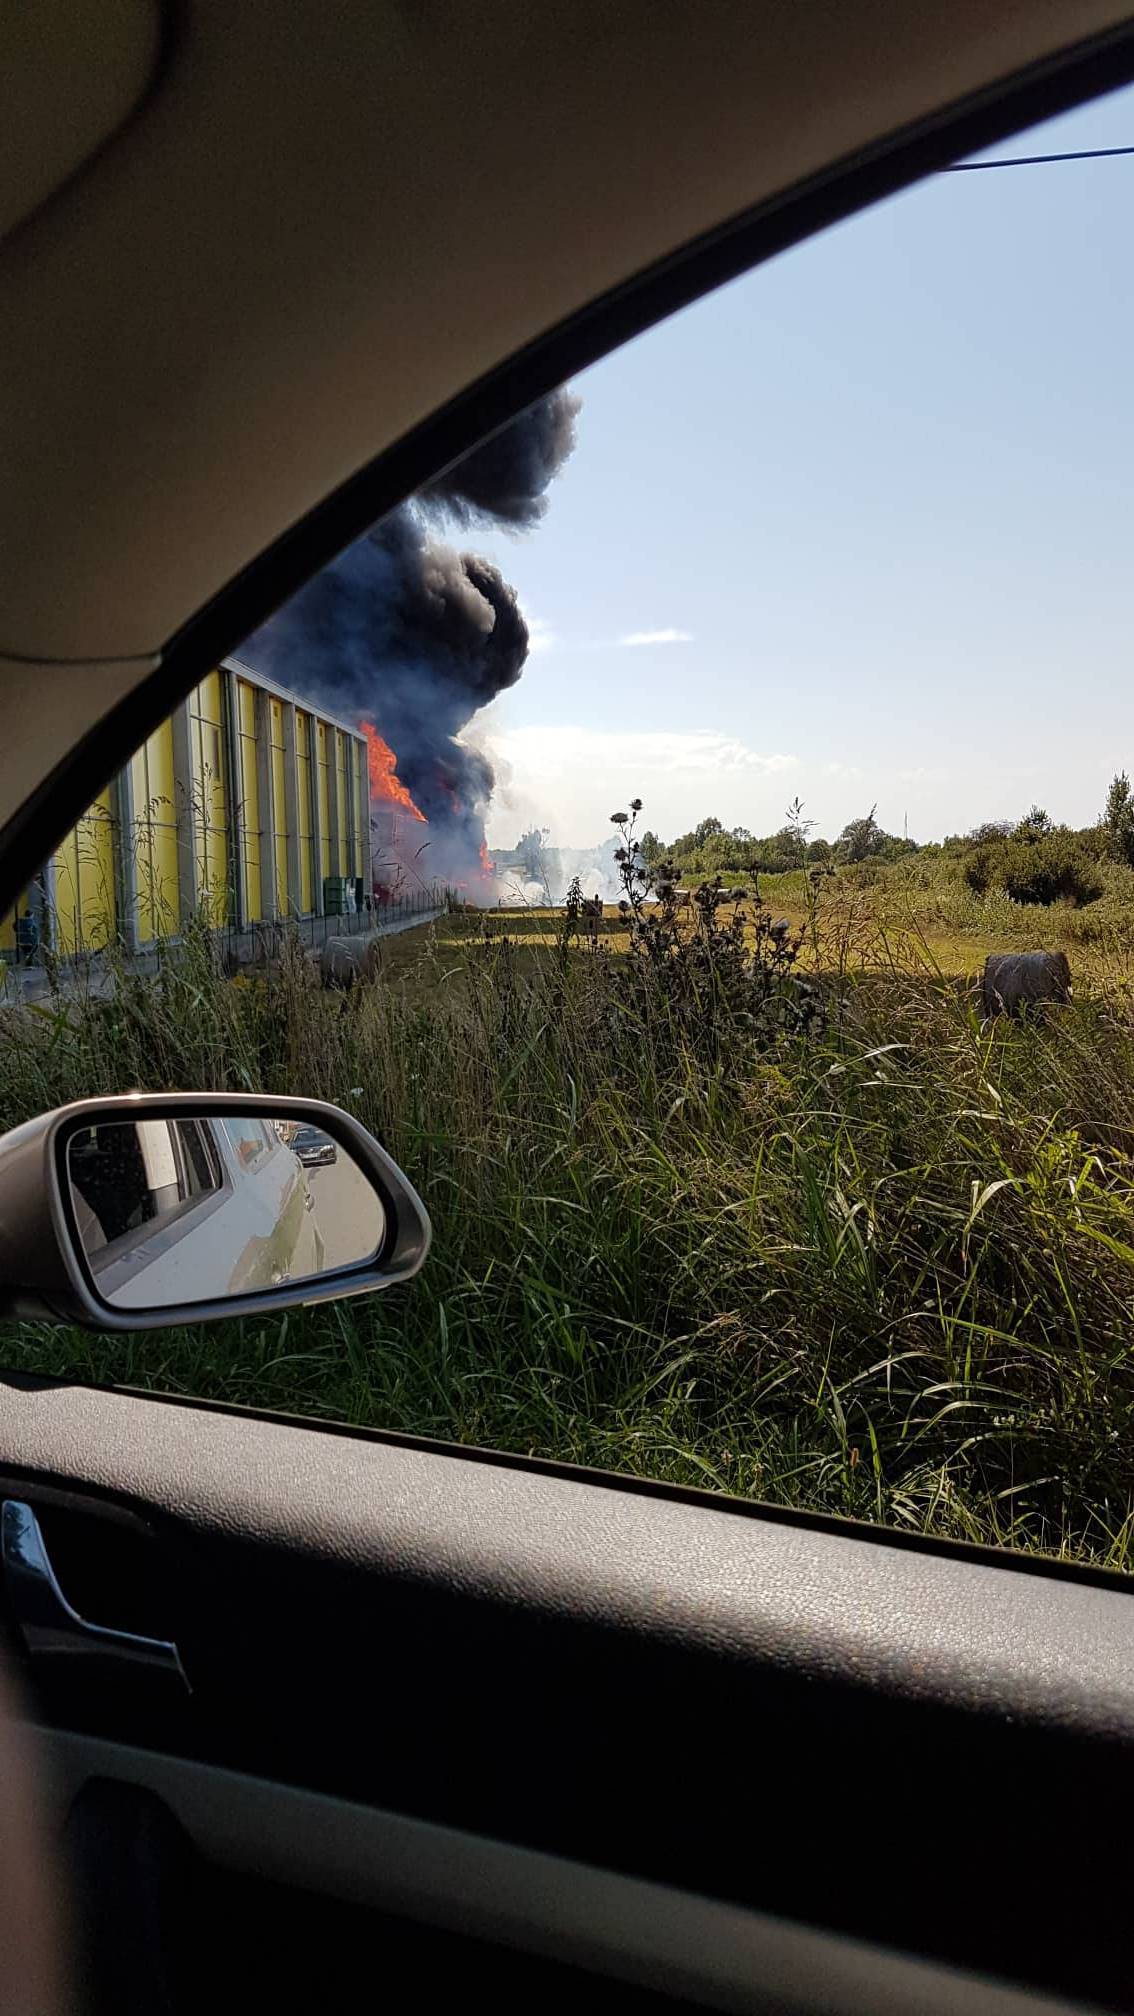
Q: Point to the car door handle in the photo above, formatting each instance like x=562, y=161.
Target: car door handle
x=52, y=1631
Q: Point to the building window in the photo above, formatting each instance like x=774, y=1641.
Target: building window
x=251, y=1140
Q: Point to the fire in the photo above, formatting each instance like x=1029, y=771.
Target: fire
x=385, y=784
x=487, y=867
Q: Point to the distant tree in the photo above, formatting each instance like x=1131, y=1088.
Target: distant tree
x=860, y=838
x=652, y=848
x=1118, y=820
x=719, y=852
x=894, y=846
x=704, y=830
x=818, y=853
x=989, y=831
x=782, y=848
x=1035, y=825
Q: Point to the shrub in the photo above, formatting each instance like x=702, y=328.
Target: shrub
x=978, y=869
x=713, y=969
x=1055, y=869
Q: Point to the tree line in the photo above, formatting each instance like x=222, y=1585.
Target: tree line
x=1032, y=858
x=712, y=848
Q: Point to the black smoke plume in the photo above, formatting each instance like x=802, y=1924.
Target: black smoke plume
x=404, y=631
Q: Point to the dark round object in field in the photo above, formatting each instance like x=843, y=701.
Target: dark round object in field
x=1016, y=981
x=342, y=961
x=338, y=964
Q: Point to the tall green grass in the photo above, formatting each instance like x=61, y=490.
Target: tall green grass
x=930, y=888
x=887, y=1270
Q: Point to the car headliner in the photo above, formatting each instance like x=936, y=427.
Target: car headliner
x=297, y=232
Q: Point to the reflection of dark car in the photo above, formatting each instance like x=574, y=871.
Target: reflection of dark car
x=313, y=1147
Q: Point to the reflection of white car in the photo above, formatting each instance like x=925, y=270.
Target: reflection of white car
x=181, y=1211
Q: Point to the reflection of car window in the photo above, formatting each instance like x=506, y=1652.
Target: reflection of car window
x=251, y=1140
x=129, y=1175
x=201, y=1167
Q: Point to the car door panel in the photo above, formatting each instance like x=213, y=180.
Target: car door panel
x=651, y=1935
x=815, y=1724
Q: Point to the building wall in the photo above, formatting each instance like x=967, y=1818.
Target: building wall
x=85, y=882
x=248, y=822
x=8, y=929
x=306, y=810
x=323, y=796
x=277, y=729
x=153, y=836
x=362, y=846
x=239, y=806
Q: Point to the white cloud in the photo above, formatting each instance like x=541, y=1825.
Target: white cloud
x=573, y=777
x=541, y=636
x=920, y=774
x=548, y=752
x=636, y=637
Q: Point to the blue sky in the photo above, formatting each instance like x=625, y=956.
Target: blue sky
x=873, y=503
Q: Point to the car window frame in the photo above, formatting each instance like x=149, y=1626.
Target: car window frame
x=1057, y=83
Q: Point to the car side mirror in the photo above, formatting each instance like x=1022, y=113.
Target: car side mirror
x=147, y=1210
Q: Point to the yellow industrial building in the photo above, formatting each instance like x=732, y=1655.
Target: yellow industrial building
x=249, y=804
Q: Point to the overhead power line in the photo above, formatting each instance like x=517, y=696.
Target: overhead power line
x=1034, y=160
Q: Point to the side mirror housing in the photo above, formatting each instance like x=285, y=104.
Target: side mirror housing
x=146, y=1210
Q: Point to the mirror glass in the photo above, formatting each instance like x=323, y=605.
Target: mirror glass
x=174, y=1211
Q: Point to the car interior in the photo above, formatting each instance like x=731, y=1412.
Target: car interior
x=325, y=1712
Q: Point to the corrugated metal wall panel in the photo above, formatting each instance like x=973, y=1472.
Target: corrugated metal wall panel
x=323, y=785
x=153, y=837
x=249, y=815
x=214, y=817
x=209, y=802
x=361, y=809
x=342, y=808
x=284, y=901
x=85, y=907
x=305, y=802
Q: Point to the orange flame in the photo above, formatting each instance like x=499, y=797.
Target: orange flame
x=385, y=784
x=487, y=867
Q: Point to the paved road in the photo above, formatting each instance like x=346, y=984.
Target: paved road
x=347, y=1212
